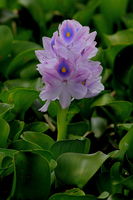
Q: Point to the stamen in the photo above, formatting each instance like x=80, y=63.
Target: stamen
x=83, y=82
x=68, y=34
x=63, y=70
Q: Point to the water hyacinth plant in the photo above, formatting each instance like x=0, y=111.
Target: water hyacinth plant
x=66, y=68
x=74, y=142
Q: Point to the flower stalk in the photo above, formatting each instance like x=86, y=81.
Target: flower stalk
x=61, y=123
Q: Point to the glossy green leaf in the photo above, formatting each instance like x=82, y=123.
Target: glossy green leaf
x=124, y=37
x=4, y=133
x=128, y=20
x=5, y=42
x=6, y=167
x=31, y=177
x=103, y=195
x=29, y=71
x=23, y=83
x=77, y=169
x=75, y=191
x=22, y=99
x=39, y=139
x=4, y=108
x=116, y=197
x=84, y=16
x=16, y=127
x=19, y=61
x=101, y=24
x=78, y=128
x=112, y=52
x=21, y=46
x=118, y=181
x=37, y=127
x=73, y=110
x=119, y=110
x=77, y=146
x=48, y=156
x=116, y=177
x=52, y=109
x=113, y=10
x=125, y=126
x=102, y=100
x=130, y=82
x=73, y=197
x=128, y=182
x=6, y=161
x=126, y=143
x=24, y=145
x=7, y=152
x=60, y=5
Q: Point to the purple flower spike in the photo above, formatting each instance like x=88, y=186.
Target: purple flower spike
x=66, y=71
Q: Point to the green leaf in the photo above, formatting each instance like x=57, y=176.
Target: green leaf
x=103, y=195
x=78, y=128
x=124, y=37
x=116, y=177
x=29, y=71
x=39, y=139
x=16, y=128
x=71, y=197
x=84, y=16
x=6, y=167
x=31, y=178
x=75, y=191
x=19, y=61
x=37, y=127
x=4, y=133
x=112, y=52
x=77, y=169
x=126, y=143
x=119, y=110
x=113, y=10
x=22, y=98
x=6, y=161
x=102, y=100
x=4, y=108
x=73, y=110
x=130, y=82
x=7, y=152
x=116, y=197
x=101, y=25
x=5, y=42
x=128, y=182
x=52, y=109
x=125, y=126
x=48, y=156
x=128, y=20
x=24, y=145
x=77, y=146
x=21, y=46
x=15, y=83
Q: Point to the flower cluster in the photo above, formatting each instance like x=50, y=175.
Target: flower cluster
x=65, y=65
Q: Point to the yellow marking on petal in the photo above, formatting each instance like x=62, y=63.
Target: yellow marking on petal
x=63, y=70
x=68, y=34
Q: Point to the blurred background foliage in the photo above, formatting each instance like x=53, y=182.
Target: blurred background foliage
x=32, y=164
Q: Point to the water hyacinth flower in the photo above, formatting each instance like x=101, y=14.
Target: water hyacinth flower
x=65, y=67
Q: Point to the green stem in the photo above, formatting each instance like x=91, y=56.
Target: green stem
x=61, y=123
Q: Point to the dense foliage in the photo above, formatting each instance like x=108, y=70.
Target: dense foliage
x=96, y=160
